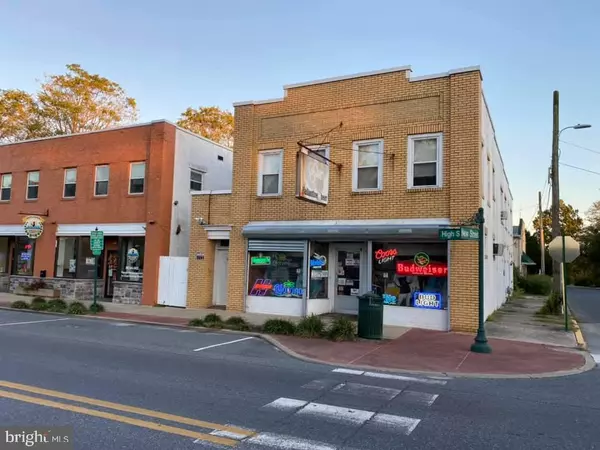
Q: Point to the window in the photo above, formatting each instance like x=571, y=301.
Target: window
x=101, y=184
x=24, y=254
x=74, y=258
x=425, y=160
x=33, y=185
x=137, y=173
x=132, y=259
x=70, y=183
x=270, y=165
x=276, y=274
x=368, y=165
x=319, y=270
x=196, y=180
x=6, y=186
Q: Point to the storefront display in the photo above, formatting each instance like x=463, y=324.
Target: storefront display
x=24, y=255
x=319, y=271
x=132, y=259
x=276, y=274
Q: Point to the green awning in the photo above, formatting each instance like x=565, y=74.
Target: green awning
x=526, y=260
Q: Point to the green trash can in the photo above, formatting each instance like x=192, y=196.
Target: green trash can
x=370, y=316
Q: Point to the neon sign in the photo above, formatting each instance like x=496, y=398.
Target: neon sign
x=389, y=299
x=261, y=287
x=427, y=300
x=318, y=261
x=383, y=256
x=287, y=289
x=260, y=261
x=430, y=270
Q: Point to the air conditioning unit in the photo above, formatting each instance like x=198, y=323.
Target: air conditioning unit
x=503, y=215
x=499, y=249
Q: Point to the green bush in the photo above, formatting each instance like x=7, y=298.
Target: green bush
x=237, y=323
x=97, y=308
x=19, y=304
x=311, y=326
x=279, y=326
x=537, y=284
x=57, y=305
x=213, y=321
x=552, y=305
x=342, y=329
x=39, y=304
x=77, y=308
x=196, y=323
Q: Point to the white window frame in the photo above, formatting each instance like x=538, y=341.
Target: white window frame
x=96, y=180
x=9, y=188
x=259, y=190
x=439, y=162
x=137, y=178
x=355, y=147
x=201, y=172
x=28, y=185
x=65, y=181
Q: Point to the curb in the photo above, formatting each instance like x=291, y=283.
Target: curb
x=581, y=342
x=588, y=365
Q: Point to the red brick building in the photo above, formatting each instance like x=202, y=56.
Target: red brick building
x=133, y=183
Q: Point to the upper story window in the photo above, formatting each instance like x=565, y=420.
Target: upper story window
x=6, y=186
x=137, y=174
x=270, y=167
x=196, y=180
x=101, y=181
x=70, y=187
x=33, y=185
x=367, y=174
x=425, y=160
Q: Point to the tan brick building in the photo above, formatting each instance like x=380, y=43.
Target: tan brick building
x=341, y=187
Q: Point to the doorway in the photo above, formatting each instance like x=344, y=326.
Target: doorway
x=220, y=276
x=348, y=264
x=112, y=267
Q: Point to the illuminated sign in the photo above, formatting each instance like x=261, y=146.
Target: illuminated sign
x=260, y=261
x=261, y=287
x=383, y=256
x=287, y=289
x=421, y=259
x=389, y=299
x=430, y=270
x=318, y=261
x=427, y=300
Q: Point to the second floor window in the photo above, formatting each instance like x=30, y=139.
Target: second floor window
x=137, y=174
x=33, y=185
x=101, y=183
x=70, y=183
x=6, y=186
x=270, y=164
x=425, y=160
x=368, y=165
x=196, y=180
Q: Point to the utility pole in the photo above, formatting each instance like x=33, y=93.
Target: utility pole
x=556, y=272
x=541, y=224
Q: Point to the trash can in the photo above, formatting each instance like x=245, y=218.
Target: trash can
x=370, y=316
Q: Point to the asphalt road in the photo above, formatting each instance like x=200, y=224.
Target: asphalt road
x=585, y=304
x=123, y=386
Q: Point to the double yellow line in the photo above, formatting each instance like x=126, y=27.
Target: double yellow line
x=124, y=408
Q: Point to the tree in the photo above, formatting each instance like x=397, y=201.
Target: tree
x=19, y=116
x=593, y=213
x=569, y=219
x=209, y=121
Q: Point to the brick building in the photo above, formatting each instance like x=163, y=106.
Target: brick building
x=133, y=183
x=341, y=187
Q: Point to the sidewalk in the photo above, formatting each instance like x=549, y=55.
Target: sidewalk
x=408, y=350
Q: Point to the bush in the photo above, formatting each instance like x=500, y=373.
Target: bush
x=57, y=305
x=39, y=304
x=213, y=321
x=77, y=308
x=196, y=323
x=19, y=304
x=237, y=323
x=584, y=280
x=537, y=284
x=279, y=326
x=552, y=305
x=97, y=308
x=311, y=326
x=342, y=329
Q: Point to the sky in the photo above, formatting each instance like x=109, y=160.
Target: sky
x=171, y=55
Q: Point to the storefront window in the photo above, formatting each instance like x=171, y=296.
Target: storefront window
x=132, y=259
x=24, y=254
x=276, y=274
x=74, y=258
x=319, y=270
x=66, y=257
x=3, y=255
x=414, y=275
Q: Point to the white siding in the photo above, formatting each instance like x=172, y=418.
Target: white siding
x=194, y=152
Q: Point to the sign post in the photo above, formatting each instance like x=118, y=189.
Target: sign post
x=564, y=249
x=96, y=245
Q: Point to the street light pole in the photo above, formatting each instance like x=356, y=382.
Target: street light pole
x=481, y=343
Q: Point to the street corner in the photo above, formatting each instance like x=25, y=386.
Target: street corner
x=579, y=338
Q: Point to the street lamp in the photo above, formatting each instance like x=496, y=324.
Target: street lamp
x=579, y=126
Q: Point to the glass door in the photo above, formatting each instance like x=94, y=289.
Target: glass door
x=347, y=279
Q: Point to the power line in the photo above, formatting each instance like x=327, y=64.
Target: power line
x=579, y=168
x=581, y=147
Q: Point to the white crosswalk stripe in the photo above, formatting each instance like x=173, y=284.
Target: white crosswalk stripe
x=439, y=380
x=366, y=390
x=282, y=441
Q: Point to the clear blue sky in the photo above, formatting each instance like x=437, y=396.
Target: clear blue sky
x=171, y=55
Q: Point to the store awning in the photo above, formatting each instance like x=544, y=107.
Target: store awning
x=347, y=229
x=109, y=229
x=526, y=260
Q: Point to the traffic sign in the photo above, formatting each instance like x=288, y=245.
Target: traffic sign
x=97, y=242
x=459, y=234
x=571, y=249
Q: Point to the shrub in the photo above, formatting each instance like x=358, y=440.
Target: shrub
x=237, y=323
x=213, y=321
x=77, y=308
x=279, y=326
x=537, y=284
x=196, y=323
x=342, y=329
x=96, y=308
x=39, y=304
x=311, y=326
x=57, y=305
x=19, y=304
x=552, y=305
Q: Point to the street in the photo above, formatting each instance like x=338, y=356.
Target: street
x=585, y=304
x=126, y=386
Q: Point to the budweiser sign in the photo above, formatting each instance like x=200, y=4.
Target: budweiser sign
x=433, y=269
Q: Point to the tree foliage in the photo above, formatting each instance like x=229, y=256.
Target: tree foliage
x=570, y=221
x=74, y=102
x=209, y=121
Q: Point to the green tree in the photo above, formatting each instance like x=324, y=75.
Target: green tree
x=593, y=213
x=210, y=122
x=570, y=221
x=19, y=116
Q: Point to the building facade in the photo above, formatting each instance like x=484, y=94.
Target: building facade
x=132, y=183
x=342, y=186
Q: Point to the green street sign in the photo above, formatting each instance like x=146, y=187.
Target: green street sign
x=459, y=234
x=97, y=242
x=449, y=234
x=469, y=234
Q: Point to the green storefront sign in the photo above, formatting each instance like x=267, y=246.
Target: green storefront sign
x=260, y=261
x=459, y=234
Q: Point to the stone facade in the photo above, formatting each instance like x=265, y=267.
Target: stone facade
x=125, y=292
x=70, y=289
x=4, y=283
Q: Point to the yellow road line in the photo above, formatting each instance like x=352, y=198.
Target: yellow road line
x=118, y=418
x=125, y=408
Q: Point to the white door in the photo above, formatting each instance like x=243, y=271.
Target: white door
x=348, y=262
x=172, y=281
x=220, y=276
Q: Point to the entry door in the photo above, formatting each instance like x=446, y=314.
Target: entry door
x=220, y=277
x=112, y=265
x=347, y=279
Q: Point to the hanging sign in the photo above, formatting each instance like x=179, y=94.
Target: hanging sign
x=33, y=226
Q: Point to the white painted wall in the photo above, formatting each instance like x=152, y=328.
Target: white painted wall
x=496, y=197
x=275, y=305
x=193, y=151
x=403, y=316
